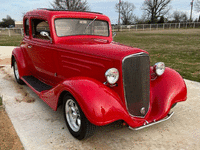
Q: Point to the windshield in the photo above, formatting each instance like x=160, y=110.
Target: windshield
x=67, y=27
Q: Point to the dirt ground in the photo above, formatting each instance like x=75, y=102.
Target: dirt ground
x=5, y=61
x=9, y=139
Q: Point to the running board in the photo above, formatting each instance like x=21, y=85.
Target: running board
x=36, y=84
x=153, y=123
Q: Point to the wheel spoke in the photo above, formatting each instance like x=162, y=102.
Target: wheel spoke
x=72, y=115
x=16, y=70
x=78, y=122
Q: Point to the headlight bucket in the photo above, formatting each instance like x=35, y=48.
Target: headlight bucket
x=112, y=75
x=159, y=68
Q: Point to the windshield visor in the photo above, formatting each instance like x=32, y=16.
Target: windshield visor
x=68, y=27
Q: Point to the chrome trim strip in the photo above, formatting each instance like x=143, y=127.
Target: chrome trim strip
x=141, y=53
x=153, y=123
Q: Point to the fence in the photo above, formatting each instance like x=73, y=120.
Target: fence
x=149, y=27
x=11, y=31
x=138, y=27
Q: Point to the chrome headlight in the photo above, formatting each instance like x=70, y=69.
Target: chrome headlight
x=159, y=68
x=112, y=75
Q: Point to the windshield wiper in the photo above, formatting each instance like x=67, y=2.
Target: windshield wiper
x=91, y=22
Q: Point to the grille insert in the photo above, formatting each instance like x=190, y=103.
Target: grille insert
x=136, y=82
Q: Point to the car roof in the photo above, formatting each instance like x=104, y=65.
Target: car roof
x=64, y=10
x=48, y=13
x=58, y=13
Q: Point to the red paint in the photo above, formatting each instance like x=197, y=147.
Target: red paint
x=80, y=63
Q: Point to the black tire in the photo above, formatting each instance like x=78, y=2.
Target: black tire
x=79, y=127
x=16, y=73
x=173, y=105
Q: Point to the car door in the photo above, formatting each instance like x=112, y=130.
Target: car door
x=41, y=52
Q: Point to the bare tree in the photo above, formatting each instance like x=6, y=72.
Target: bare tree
x=179, y=16
x=141, y=20
x=156, y=8
x=126, y=11
x=76, y=5
x=197, y=5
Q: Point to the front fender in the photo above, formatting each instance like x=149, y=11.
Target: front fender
x=100, y=104
x=166, y=90
x=18, y=54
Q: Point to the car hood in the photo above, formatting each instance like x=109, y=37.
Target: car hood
x=98, y=47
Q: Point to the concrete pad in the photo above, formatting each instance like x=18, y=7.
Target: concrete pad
x=39, y=127
x=5, y=54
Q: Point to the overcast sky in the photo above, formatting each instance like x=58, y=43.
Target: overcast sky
x=16, y=8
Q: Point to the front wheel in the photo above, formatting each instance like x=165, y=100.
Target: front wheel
x=16, y=72
x=77, y=123
x=173, y=105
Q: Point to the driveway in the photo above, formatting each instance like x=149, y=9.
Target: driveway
x=41, y=128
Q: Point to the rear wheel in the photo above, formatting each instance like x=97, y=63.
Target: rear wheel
x=16, y=72
x=75, y=119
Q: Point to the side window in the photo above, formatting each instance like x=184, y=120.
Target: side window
x=39, y=25
x=27, y=27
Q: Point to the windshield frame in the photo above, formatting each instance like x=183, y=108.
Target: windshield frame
x=91, y=19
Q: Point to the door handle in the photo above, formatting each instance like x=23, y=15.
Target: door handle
x=29, y=46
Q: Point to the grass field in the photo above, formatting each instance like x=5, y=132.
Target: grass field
x=178, y=48
x=15, y=40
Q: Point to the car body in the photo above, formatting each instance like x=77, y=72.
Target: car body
x=70, y=57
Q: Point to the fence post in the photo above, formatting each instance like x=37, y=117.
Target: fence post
x=157, y=26
x=170, y=26
x=21, y=31
x=179, y=25
x=163, y=26
x=121, y=28
x=136, y=27
x=9, y=32
x=175, y=25
x=143, y=27
x=150, y=27
x=194, y=25
x=186, y=25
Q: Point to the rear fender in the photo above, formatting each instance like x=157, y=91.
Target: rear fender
x=18, y=55
x=166, y=90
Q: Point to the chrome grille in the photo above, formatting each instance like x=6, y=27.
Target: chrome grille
x=136, y=82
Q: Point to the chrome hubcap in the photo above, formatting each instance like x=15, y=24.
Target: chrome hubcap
x=72, y=115
x=16, y=70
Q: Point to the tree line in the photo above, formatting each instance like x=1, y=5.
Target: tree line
x=154, y=11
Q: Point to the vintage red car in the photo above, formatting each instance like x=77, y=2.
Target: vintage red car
x=70, y=58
